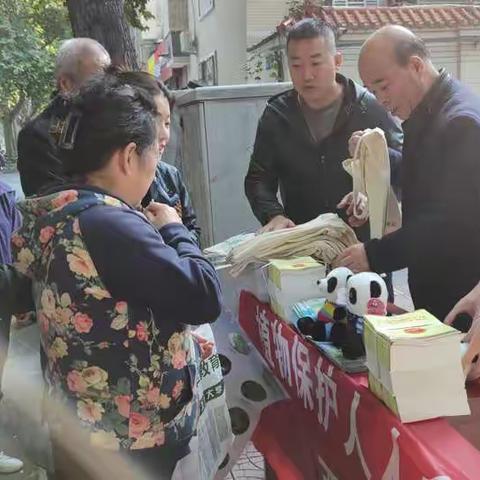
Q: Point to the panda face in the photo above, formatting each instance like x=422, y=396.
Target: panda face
x=367, y=294
x=332, y=287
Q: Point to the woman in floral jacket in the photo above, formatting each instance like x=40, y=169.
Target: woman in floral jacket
x=116, y=289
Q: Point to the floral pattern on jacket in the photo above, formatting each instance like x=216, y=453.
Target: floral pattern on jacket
x=129, y=385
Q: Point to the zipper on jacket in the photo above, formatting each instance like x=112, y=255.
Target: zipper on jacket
x=324, y=179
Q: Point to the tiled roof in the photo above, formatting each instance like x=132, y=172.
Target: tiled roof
x=415, y=18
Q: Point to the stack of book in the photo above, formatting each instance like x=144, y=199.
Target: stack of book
x=291, y=281
x=415, y=367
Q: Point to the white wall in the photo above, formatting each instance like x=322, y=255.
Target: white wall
x=470, y=63
x=157, y=27
x=263, y=17
x=222, y=30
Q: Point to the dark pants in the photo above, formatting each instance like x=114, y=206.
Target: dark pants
x=158, y=463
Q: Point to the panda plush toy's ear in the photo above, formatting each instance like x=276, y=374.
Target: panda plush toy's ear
x=375, y=289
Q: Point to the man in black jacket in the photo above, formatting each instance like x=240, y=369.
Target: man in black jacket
x=39, y=165
x=303, y=135
x=440, y=237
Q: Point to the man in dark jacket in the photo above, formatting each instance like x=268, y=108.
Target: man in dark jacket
x=440, y=237
x=78, y=60
x=303, y=135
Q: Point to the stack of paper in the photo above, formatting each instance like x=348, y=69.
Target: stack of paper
x=293, y=280
x=218, y=253
x=415, y=366
x=324, y=238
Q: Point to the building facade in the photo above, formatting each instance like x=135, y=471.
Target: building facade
x=451, y=32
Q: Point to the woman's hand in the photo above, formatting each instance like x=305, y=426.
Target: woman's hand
x=160, y=214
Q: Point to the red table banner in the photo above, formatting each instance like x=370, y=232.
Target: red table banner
x=333, y=427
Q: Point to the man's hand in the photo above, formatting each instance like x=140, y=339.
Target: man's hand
x=276, y=223
x=361, y=209
x=470, y=304
x=160, y=214
x=353, y=142
x=354, y=258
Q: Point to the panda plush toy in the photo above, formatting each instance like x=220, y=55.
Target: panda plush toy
x=331, y=319
x=333, y=289
x=366, y=295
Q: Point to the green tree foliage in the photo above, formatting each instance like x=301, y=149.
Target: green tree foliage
x=30, y=31
x=136, y=13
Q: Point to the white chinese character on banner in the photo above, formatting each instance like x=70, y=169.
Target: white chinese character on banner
x=441, y=477
x=326, y=391
x=282, y=352
x=392, y=471
x=328, y=474
x=320, y=390
x=330, y=396
x=264, y=331
x=301, y=368
x=353, y=439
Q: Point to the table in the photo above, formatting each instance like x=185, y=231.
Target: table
x=333, y=427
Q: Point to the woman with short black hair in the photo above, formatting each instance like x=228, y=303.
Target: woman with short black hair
x=114, y=288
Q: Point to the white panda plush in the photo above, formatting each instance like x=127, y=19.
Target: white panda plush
x=331, y=319
x=333, y=286
x=333, y=312
x=366, y=295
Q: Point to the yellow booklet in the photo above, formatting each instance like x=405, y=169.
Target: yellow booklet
x=409, y=327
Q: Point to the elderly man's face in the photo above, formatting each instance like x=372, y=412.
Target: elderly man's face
x=313, y=67
x=397, y=87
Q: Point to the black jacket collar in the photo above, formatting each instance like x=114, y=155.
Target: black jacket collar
x=287, y=107
x=431, y=104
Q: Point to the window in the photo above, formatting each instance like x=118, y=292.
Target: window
x=208, y=70
x=204, y=7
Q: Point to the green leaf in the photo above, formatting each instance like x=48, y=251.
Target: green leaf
x=121, y=429
x=123, y=386
x=144, y=381
x=30, y=32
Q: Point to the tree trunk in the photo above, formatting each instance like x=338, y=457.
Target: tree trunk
x=105, y=21
x=10, y=141
x=9, y=130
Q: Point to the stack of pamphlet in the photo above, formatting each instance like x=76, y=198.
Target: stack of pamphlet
x=415, y=366
x=291, y=281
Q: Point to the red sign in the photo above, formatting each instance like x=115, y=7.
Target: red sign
x=333, y=427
